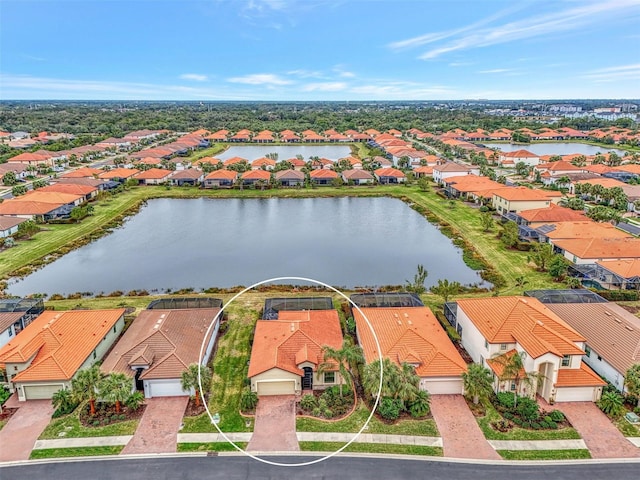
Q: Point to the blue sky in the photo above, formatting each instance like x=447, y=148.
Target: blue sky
x=319, y=50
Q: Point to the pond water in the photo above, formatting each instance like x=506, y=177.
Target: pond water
x=252, y=152
x=560, y=148
x=201, y=243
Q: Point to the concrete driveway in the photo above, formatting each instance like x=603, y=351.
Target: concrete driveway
x=159, y=425
x=19, y=435
x=602, y=437
x=461, y=435
x=275, y=425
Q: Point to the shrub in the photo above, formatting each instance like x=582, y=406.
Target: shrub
x=535, y=425
x=122, y=417
x=308, y=402
x=552, y=425
x=506, y=399
x=611, y=403
x=528, y=409
x=543, y=424
x=421, y=406
x=508, y=415
x=248, y=400
x=547, y=418
x=517, y=421
x=96, y=423
x=557, y=416
x=390, y=408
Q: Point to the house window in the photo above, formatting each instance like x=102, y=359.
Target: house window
x=513, y=386
x=566, y=361
x=15, y=368
x=114, y=329
x=486, y=344
x=587, y=351
x=503, y=346
x=94, y=355
x=599, y=358
x=11, y=332
x=329, y=377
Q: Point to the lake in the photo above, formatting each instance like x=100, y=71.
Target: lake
x=285, y=152
x=201, y=243
x=556, y=148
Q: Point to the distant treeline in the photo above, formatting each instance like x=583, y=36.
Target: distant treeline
x=118, y=118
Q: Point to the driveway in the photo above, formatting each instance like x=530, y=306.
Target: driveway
x=461, y=435
x=159, y=425
x=601, y=436
x=275, y=425
x=19, y=435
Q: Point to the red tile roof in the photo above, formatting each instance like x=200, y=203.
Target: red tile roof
x=323, y=173
x=153, y=174
x=222, y=175
x=389, y=172
x=256, y=175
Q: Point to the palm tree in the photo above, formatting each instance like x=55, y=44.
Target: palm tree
x=116, y=388
x=86, y=385
x=478, y=382
x=513, y=370
x=189, y=380
x=347, y=357
x=390, y=378
x=408, y=384
x=62, y=400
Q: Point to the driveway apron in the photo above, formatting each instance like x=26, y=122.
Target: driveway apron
x=275, y=425
x=159, y=425
x=461, y=435
x=19, y=435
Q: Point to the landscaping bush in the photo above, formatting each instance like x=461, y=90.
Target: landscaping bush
x=96, y=423
x=248, y=400
x=535, y=425
x=505, y=399
x=557, y=416
x=421, y=405
x=528, y=409
x=517, y=421
x=552, y=425
x=508, y=415
x=308, y=402
x=619, y=295
x=390, y=408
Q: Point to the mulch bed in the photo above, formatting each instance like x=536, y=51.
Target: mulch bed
x=106, y=415
x=478, y=410
x=194, y=410
x=7, y=413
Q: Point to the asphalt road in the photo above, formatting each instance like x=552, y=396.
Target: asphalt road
x=351, y=468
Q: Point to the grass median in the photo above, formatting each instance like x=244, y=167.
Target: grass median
x=576, y=454
x=372, y=448
x=75, y=452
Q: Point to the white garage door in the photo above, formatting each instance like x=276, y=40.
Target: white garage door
x=442, y=386
x=574, y=394
x=40, y=392
x=276, y=388
x=163, y=388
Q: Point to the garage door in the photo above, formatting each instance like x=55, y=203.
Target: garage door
x=574, y=394
x=41, y=392
x=276, y=388
x=163, y=388
x=444, y=386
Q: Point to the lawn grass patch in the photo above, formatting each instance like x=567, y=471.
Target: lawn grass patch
x=210, y=447
x=627, y=429
x=372, y=448
x=544, y=454
x=75, y=452
x=517, y=433
x=74, y=429
x=354, y=422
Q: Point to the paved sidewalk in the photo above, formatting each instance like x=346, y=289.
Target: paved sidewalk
x=158, y=428
x=19, y=435
x=83, y=442
x=538, y=444
x=634, y=440
x=275, y=425
x=461, y=435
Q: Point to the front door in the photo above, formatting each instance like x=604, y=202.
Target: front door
x=139, y=383
x=307, y=380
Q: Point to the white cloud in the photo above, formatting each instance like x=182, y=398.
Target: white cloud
x=460, y=64
x=302, y=73
x=497, y=70
x=261, y=79
x=391, y=90
x=324, y=87
x=593, y=13
x=612, y=74
x=196, y=77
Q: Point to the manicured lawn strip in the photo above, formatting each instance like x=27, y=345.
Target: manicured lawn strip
x=77, y=430
x=229, y=372
x=355, y=421
x=210, y=447
x=212, y=151
x=75, y=452
x=544, y=454
x=517, y=433
x=372, y=448
x=139, y=303
x=627, y=429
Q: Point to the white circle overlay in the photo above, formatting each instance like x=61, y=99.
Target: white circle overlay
x=375, y=405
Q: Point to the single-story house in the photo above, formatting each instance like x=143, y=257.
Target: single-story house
x=9, y=225
x=290, y=178
x=18, y=169
x=622, y=274
x=423, y=171
x=524, y=156
x=552, y=232
x=154, y=176
x=160, y=345
x=412, y=335
x=588, y=250
x=250, y=177
x=220, y=178
x=83, y=172
x=49, y=352
x=389, y=175
x=263, y=163
x=503, y=326
x=119, y=174
x=537, y=217
x=286, y=352
x=357, y=177
x=89, y=192
x=189, y=176
x=323, y=177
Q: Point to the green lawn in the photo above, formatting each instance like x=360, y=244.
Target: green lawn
x=75, y=452
x=74, y=429
x=372, y=448
x=229, y=372
x=517, y=433
x=544, y=454
x=627, y=429
x=210, y=447
x=355, y=421
x=212, y=151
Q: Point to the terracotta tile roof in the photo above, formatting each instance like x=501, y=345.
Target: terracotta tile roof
x=552, y=213
x=498, y=368
x=9, y=222
x=74, y=189
x=289, y=174
x=524, y=320
x=263, y=161
x=610, y=330
x=61, y=342
x=604, y=181
x=519, y=154
x=222, y=175
x=119, y=173
x=523, y=194
x=323, y=173
x=256, y=175
x=623, y=268
x=56, y=198
x=167, y=341
x=389, y=172
x=188, y=173
x=600, y=248
x=22, y=207
x=357, y=174
x=472, y=183
x=296, y=162
x=412, y=335
x=630, y=167
x=232, y=160
x=578, y=377
x=451, y=167
x=295, y=336
x=561, y=166
x=82, y=172
x=153, y=174
x=209, y=160
x=424, y=170
x=584, y=229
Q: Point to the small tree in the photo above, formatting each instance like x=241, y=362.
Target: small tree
x=478, y=382
x=27, y=229
x=63, y=402
x=423, y=184
x=632, y=381
x=542, y=255
x=509, y=235
x=18, y=190
x=248, y=400
x=446, y=289
x=189, y=380
x=116, y=388
x=417, y=286
x=612, y=404
x=344, y=358
x=9, y=179
x=558, y=267
x=486, y=220
x=134, y=401
x=85, y=386
x=513, y=370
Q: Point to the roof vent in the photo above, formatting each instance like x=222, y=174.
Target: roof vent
x=607, y=313
x=395, y=315
x=399, y=322
x=409, y=322
x=406, y=315
x=617, y=320
x=628, y=328
x=293, y=327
